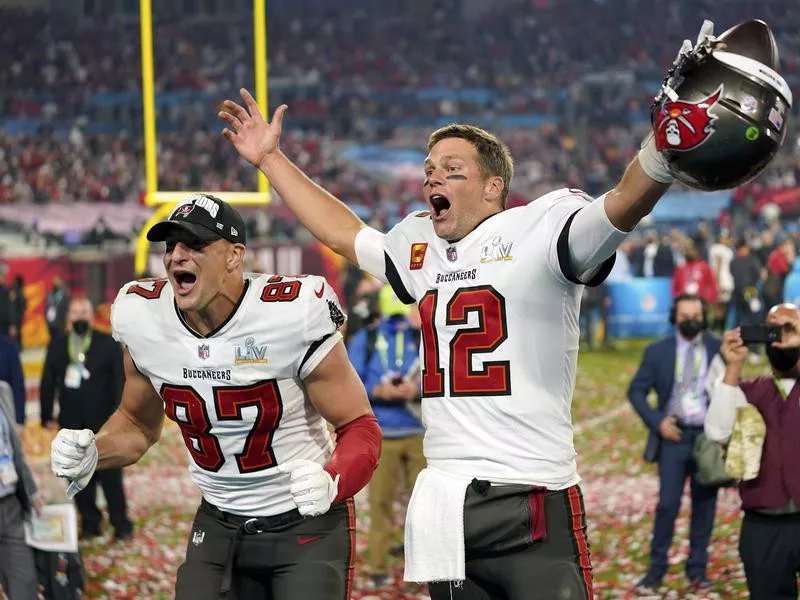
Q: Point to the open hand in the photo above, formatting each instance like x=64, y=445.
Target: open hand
x=253, y=136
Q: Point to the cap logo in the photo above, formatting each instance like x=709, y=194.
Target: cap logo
x=183, y=210
x=234, y=232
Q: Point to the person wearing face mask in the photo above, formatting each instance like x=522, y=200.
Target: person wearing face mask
x=769, y=542
x=83, y=371
x=678, y=368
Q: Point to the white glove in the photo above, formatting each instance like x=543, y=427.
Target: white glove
x=73, y=455
x=311, y=487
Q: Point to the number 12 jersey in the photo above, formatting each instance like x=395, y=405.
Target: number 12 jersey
x=500, y=339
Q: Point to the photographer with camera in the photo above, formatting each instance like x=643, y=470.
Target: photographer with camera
x=769, y=543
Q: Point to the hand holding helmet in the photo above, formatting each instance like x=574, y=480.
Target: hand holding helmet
x=720, y=116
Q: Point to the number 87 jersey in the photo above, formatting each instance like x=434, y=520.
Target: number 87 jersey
x=237, y=393
x=499, y=311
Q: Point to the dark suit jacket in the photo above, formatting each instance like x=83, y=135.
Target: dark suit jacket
x=657, y=372
x=90, y=405
x=26, y=486
x=11, y=373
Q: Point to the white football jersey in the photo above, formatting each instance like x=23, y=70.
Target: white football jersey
x=237, y=394
x=500, y=340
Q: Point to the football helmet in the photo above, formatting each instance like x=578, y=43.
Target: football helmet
x=721, y=114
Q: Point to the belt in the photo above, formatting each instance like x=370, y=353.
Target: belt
x=253, y=525
x=688, y=426
x=246, y=526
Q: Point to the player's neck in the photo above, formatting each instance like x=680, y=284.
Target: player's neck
x=219, y=310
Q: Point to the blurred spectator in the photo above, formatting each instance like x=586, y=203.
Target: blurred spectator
x=18, y=304
x=55, y=311
x=769, y=542
x=388, y=356
x=84, y=369
x=746, y=272
x=5, y=302
x=593, y=314
x=703, y=240
x=677, y=368
x=11, y=372
x=658, y=259
x=720, y=258
x=363, y=311
x=694, y=276
x=19, y=497
x=779, y=263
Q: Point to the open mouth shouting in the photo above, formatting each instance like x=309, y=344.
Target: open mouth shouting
x=440, y=206
x=184, y=281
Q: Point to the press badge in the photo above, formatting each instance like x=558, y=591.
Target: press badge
x=72, y=377
x=8, y=474
x=690, y=404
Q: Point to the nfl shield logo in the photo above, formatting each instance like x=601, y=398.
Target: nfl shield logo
x=451, y=254
x=203, y=351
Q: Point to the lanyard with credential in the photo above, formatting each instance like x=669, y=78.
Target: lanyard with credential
x=80, y=357
x=382, y=347
x=699, y=353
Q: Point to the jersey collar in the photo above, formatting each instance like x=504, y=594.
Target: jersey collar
x=219, y=327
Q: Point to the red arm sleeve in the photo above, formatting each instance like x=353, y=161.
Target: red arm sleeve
x=358, y=447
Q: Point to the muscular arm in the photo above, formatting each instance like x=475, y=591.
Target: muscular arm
x=335, y=389
x=633, y=198
x=135, y=425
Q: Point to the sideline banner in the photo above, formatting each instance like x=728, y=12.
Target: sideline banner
x=639, y=307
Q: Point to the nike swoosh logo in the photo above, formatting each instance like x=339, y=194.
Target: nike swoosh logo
x=307, y=539
x=321, y=290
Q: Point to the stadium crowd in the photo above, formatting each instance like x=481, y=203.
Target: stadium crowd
x=528, y=58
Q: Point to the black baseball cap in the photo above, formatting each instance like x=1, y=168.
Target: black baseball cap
x=204, y=216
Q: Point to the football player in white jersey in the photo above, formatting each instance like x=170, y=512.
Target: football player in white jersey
x=498, y=513
x=250, y=367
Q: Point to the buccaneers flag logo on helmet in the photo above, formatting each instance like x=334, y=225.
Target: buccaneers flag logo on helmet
x=686, y=125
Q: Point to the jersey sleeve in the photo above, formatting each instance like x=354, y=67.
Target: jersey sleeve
x=324, y=318
x=563, y=208
x=132, y=309
x=120, y=316
x=403, y=255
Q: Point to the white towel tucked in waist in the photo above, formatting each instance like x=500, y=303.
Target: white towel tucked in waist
x=434, y=536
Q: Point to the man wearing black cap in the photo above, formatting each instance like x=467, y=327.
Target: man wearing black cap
x=250, y=368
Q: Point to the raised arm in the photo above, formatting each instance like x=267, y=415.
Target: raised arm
x=257, y=141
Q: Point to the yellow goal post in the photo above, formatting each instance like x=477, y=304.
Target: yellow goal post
x=164, y=201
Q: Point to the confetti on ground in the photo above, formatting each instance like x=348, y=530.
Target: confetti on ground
x=620, y=494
